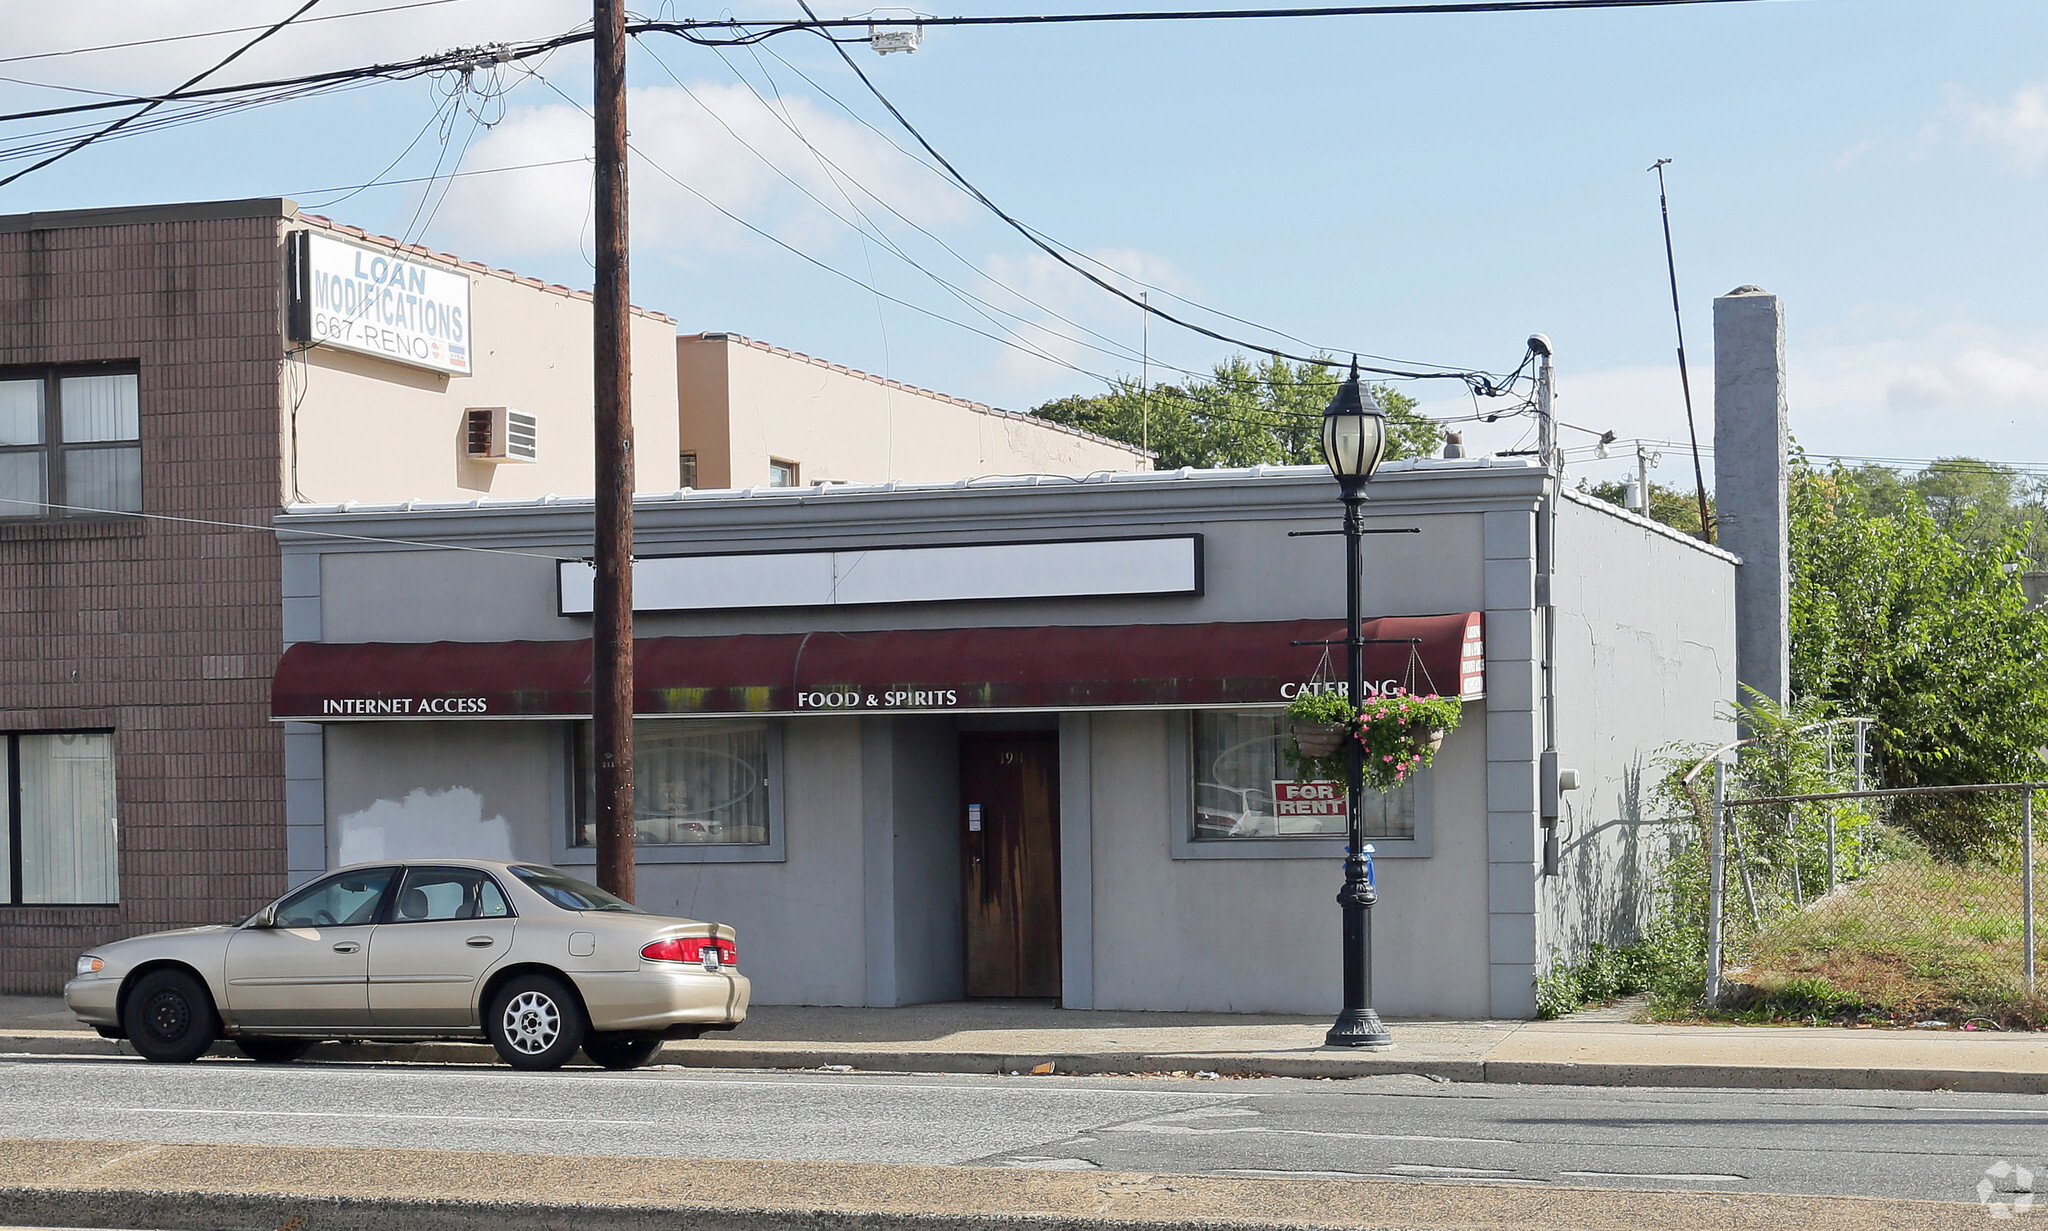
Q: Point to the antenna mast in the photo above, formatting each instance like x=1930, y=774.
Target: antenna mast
x=1699, y=477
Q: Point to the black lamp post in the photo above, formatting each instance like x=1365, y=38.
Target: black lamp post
x=1354, y=441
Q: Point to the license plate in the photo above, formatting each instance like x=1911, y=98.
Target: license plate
x=711, y=959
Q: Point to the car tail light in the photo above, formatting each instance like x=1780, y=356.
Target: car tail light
x=711, y=953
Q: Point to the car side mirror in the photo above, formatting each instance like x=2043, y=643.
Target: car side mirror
x=265, y=918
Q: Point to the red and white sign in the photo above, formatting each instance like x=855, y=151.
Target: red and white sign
x=1308, y=799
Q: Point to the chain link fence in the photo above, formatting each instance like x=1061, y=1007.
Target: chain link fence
x=1830, y=900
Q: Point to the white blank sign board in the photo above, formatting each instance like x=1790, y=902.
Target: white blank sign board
x=1089, y=568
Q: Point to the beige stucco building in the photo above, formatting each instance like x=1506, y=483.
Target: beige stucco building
x=361, y=427
x=755, y=415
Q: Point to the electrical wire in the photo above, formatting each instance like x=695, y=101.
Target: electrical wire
x=125, y=515
x=353, y=189
x=124, y=121
x=1480, y=381
x=179, y=38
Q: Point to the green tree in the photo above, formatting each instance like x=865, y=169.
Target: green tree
x=1678, y=509
x=1980, y=502
x=1242, y=415
x=1925, y=628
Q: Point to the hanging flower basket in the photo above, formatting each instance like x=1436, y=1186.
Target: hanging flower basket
x=1402, y=733
x=1317, y=740
x=1399, y=733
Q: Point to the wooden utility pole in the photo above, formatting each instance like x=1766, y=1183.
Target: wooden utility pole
x=612, y=620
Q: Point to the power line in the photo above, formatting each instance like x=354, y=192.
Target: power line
x=1479, y=381
x=123, y=122
x=744, y=33
x=179, y=38
x=352, y=189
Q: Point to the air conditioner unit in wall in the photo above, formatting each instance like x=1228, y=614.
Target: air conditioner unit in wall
x=501, y=434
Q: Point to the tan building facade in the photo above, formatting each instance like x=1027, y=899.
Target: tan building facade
x=155, y=414
x=755, y=415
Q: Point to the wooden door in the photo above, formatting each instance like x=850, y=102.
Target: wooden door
x=1010, y=854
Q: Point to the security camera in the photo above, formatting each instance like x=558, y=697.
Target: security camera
x=1540, y=344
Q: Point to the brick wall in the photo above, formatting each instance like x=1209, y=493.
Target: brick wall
x=165, y=633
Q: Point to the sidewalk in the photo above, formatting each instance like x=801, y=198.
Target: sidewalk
x=1595, y=1048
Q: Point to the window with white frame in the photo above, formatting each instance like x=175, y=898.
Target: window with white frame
x=1244, y=786
x=58, y=809
x=782, y=473
x=696, y=782
x=70, y=443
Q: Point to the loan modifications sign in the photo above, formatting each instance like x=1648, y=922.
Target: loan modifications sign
x=376, y=302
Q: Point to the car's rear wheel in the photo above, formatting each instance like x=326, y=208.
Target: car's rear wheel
x=170, y=1017
x=621, y=1049
x=535, y=1022
x=272, y=1050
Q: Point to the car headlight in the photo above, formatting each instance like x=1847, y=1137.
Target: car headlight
x=90, y=965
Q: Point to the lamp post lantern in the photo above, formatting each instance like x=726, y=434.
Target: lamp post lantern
x=1354, y=441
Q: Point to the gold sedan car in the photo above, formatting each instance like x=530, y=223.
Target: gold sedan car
x=529, y=957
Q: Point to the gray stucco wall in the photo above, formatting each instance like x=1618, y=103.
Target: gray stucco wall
x=1262, y=935
x=371, y=592
x=1648, y=648
x=910, y=788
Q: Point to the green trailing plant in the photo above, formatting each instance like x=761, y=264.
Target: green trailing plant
x=1319, y=708
x=1398, y=732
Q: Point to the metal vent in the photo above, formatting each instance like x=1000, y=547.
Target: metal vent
x=501, y=434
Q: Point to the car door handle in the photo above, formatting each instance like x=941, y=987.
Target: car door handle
x=346, y=946
x=480, y=942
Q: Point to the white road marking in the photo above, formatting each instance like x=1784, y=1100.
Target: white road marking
x=1420, y=1168
x=1684, y=1176
x=1989, y=1111
x=1265, y=1173
x=1188, y=1130
x=359, y=1115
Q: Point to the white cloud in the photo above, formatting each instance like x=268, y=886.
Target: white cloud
x=1954, y=388
x=718, y=140
x=2016, y=126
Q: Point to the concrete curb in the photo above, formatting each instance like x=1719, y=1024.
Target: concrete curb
x=1091, y=1064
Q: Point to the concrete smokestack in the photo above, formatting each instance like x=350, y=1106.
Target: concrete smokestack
x=1750, y=481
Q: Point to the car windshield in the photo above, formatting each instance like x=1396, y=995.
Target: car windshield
x=569, y=893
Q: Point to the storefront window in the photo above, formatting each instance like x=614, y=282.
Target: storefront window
x=1240, y=767
x=57, y=818
x=696, y=782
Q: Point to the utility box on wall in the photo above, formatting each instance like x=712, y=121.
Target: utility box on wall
x=501, y=434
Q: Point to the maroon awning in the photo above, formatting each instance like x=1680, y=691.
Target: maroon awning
x=908, y=670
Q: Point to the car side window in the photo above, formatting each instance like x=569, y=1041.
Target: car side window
x=491, y=903
x=343, y=900
x=434, y=894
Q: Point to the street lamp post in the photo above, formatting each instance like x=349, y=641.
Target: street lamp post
x=1354, y=441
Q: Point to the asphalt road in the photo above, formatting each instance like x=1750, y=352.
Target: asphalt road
x=1926, y=1146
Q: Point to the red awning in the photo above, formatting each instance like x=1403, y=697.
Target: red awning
x=908, y=670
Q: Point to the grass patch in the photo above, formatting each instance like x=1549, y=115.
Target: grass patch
x=1916, y=940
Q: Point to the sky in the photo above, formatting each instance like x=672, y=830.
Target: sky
x=1431, y=189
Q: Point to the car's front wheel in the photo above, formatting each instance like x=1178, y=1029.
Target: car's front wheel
x=271, y=1050
x=621, y=1049
x=170, y=1017
x=535, y=1022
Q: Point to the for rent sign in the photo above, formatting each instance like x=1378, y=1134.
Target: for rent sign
x=377, y=302
x=1308, y=799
